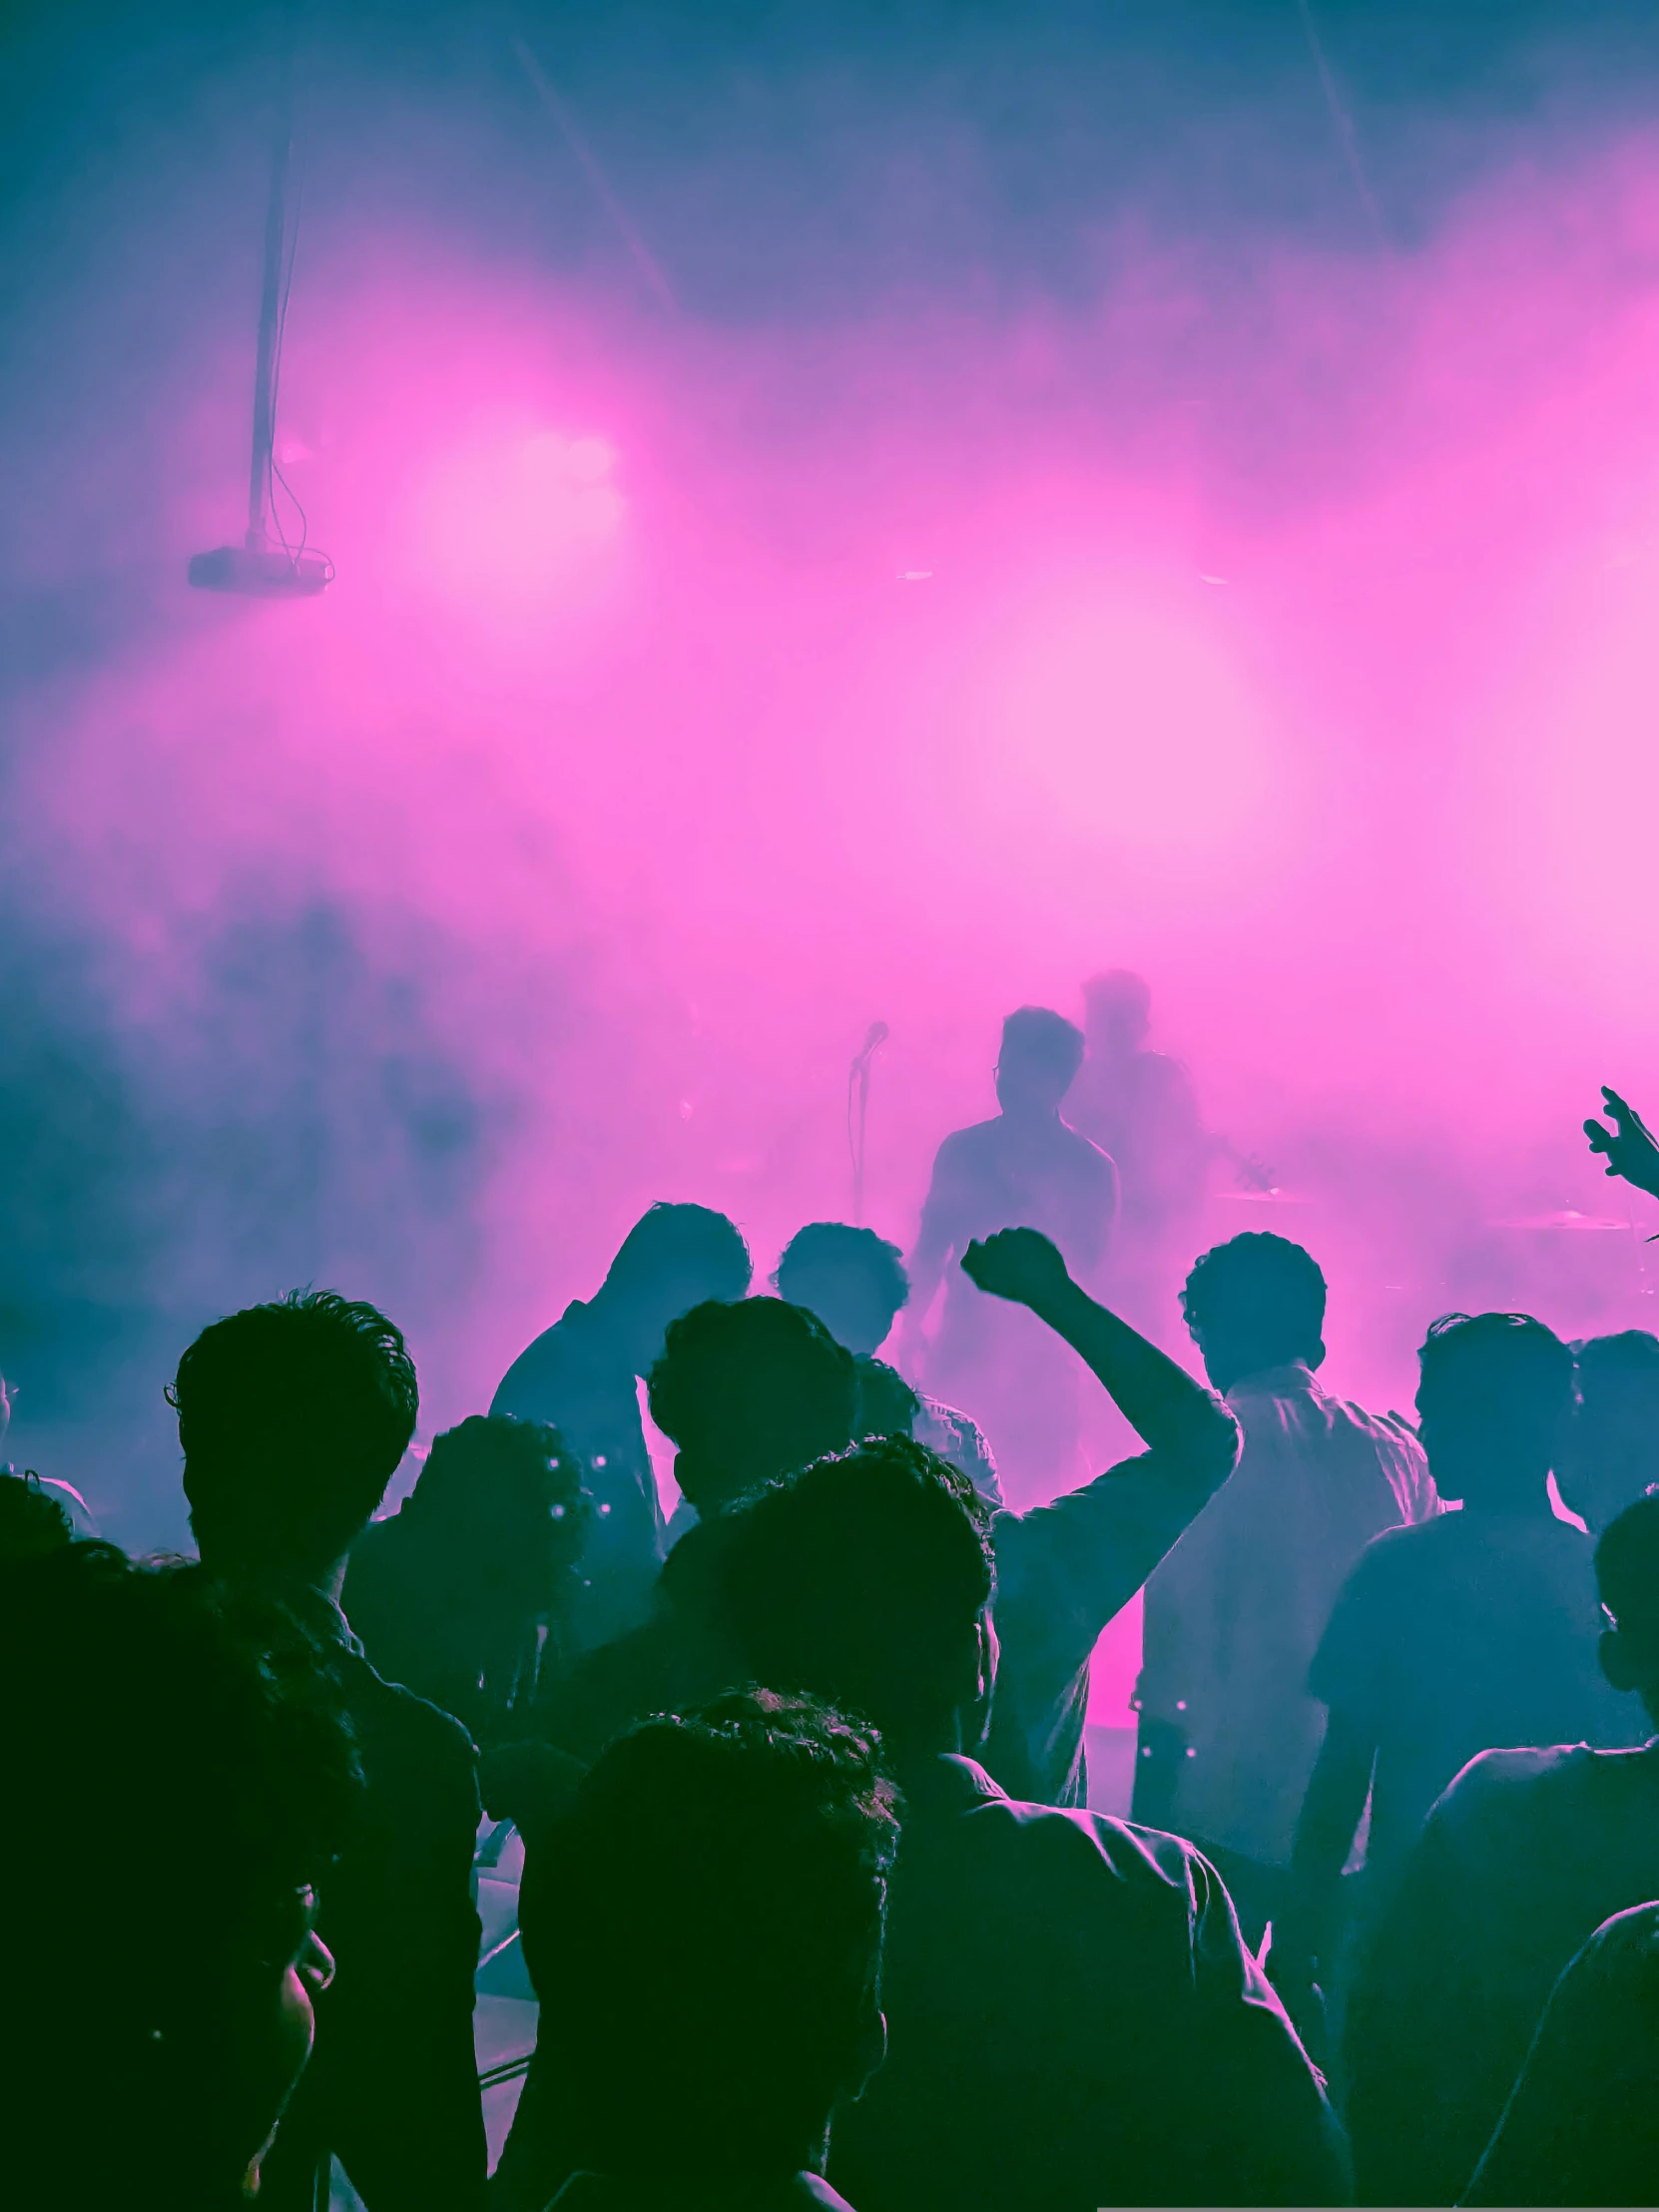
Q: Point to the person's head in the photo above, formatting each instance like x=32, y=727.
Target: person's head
x=1041, y=1054
x=747, y=1392
x=183, y=1789
x=674, y=1258
x=854, y=1280
x=1612, y=1450
x=1256, y=1302
x=887, y=1406
x=867, y=1580
x=293, y=1417
x=1493, y=1398
x=503, y=1502
x=1627, y=1579
x=1117, y=1012
x=31, y=1519
x=715, y=1900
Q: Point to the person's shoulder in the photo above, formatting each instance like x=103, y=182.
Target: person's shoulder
x=1626, y=1943
x=1392, y=1430
x=422, y=1732
x=1090, y=1158
x=541, y=1361
x=976, y=1137
x=1495, y=1785
x=1400, y=1553
x=1135, y=1862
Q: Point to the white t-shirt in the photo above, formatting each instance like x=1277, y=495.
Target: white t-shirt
x=1234, y=1614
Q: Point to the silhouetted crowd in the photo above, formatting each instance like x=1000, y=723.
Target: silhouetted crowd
x=812, y=1899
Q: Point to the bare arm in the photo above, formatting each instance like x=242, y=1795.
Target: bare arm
x=1330, y=1810
x=1167, y=1408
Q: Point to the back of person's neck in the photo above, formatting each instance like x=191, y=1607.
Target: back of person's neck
x=1244, y=1367
x=1031, y=1117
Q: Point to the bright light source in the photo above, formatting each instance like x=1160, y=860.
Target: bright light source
x=514, y=522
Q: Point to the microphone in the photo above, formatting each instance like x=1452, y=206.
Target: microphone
x=876, y=1036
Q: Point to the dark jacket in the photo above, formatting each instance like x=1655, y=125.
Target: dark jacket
x=392, y=2084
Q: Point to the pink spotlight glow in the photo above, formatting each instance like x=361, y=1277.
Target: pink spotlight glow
x=516, y=524
x=1123, y=720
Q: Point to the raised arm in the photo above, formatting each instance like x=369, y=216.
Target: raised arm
x=1629, y=1146
x=1170, y=1412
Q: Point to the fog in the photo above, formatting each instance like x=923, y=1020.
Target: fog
x=950, y=581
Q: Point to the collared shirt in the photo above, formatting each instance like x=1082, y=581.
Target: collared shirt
x=572, y=1376
x=1520, y=1861
x=1234, y=1615
x=1073, y=2022
x=1062, y=1572
x=955, y=1436
x=392, y=2084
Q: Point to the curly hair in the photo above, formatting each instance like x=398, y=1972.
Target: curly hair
x=293, y=1417
x=509, y=1474
x=747, y=1392
x=31, y=1519
x=1262, y=1288
x=836, y=1248
x=730, y=1869
x=859, y=1579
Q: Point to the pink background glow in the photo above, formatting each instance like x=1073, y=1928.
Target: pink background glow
x=691, y=697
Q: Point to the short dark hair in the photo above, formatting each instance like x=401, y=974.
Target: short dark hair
x=1042, y=1038
x=509, y=1497
x=1261, y=1290
x=508, y=1471
x=294, y=1417
x=825, y=1246
x=714, y=1897
x=887, y=1406
x=31, y=1519
x=1627, y=1567
x=858, y=1580
x=145, y=1731
x=1626, y=1351
x=1509, y=1367
x=683, y=1239
x=747, y=1392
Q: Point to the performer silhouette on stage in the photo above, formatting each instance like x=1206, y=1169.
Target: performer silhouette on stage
x=1026, y=1168
x=1139, y=1106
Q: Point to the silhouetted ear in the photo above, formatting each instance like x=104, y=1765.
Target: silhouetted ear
x=1615, y=1660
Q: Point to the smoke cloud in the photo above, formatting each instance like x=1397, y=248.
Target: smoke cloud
x=1259, y=606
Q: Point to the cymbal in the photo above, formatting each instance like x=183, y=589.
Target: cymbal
x=1568, y=1217
x=1266, y=1198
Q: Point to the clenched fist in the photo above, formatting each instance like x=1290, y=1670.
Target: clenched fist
x=1018, y=1263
